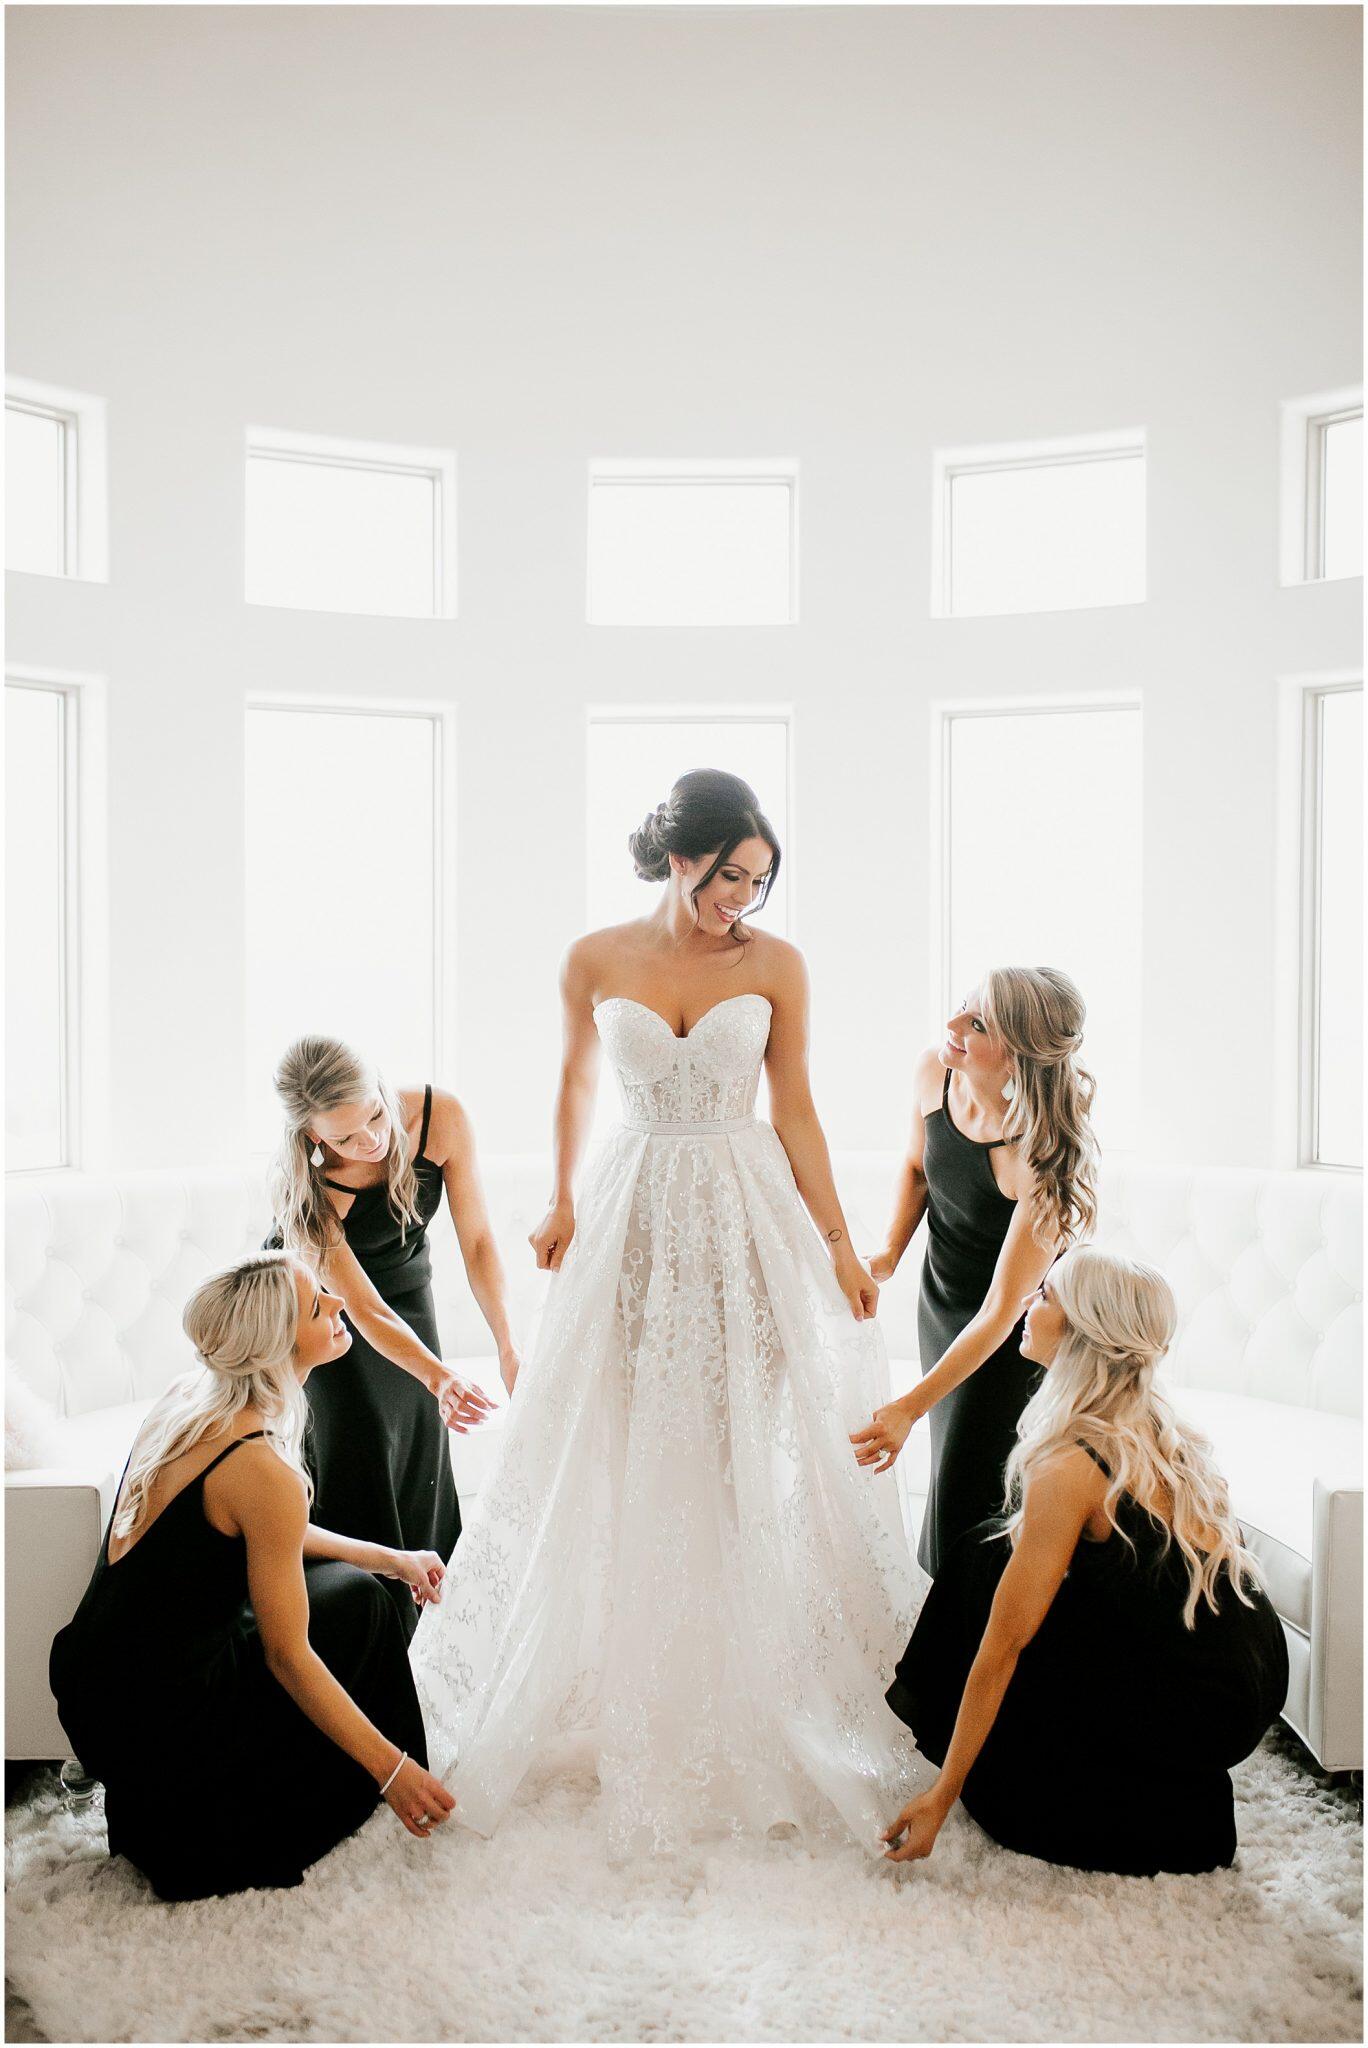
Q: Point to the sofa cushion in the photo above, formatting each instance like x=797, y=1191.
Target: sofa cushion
x=1271, y=1454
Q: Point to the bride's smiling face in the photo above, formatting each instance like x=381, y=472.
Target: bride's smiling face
x=735, y=888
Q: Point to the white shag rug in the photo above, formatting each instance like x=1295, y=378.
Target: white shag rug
x=534, y=1937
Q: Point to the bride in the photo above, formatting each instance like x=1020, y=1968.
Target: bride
x=676, y=1552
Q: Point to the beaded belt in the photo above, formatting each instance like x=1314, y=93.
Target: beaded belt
x=718, y=1127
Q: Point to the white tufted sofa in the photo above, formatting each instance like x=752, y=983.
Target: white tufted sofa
x=1266, y=1268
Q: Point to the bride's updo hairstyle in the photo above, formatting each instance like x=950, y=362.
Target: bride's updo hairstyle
x=1038, y=1014
x=315, y=1076
x=1099, y=1391
x=706, y=809
x=242, y=1323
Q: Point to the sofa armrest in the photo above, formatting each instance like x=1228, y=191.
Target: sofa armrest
x=1336, y=1678
x=54, y=1522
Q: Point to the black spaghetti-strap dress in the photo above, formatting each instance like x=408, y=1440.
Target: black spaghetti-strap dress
x=1113, y=1745
x=377, y=1447
x=215, y=1781
x=973, y=1428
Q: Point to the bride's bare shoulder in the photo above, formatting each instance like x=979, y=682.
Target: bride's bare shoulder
x=590, y=961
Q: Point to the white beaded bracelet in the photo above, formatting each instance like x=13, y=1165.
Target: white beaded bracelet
x=394, y=1774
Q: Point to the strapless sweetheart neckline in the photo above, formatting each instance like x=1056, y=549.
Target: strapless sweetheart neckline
x=681, y=1038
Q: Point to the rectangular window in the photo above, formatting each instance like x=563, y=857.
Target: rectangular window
x=351, y=950
x=39, y=911
x=1012, y=896
x=1341, y=496
x=1335, y=836
x=1322, y=487
x=55, y=511
x=335, y=526
x=1039, y=527
x=692, y=545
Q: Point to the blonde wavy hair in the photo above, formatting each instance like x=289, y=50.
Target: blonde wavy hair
x=1099, y=1391
x=242, y=1323
x=315, y=1076
x=1038, y=1014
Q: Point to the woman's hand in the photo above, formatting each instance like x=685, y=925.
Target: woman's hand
x=855, y=1284
x=510, y=1365
x=421, y=1570
x=462, y=1406
x=878, y=1444
x=918, y=1825
x=552, y=1237
x=882, y=1265
x=421, y=1801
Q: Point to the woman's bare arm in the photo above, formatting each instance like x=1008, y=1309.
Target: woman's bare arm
x=462, y=1405
x=1021, y=1266
x=574, y=1109
x=267, y=1505
x=909, y=1202
x=451, y=1139
x=1059, y=1500
x=794, y=1117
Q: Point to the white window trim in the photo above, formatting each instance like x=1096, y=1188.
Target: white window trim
x=692, y=470
x=85, y=914
x=1301, y=544
x=1297, y=921
x=1123, y=444
x=82, y=417
x=438, y=464
x=944, y=713
x=444, y=904
x=717, y=714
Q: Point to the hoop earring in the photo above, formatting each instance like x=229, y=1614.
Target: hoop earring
x=316, y=1156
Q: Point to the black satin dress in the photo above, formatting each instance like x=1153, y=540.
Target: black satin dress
x=973, y=1428
x=1113, y=1745
x=215, y=1781
x=377, y=1447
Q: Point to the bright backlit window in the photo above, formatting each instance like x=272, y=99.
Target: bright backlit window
x=1337, y=938
x=56, y=513
x=1004, y=902
x=1035, y=529
x=1341, y=496
x=705, y=548
x=358, y=958
x=337, y=527
x=39, y=743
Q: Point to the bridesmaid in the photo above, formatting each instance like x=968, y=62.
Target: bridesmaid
x=1087, y=1680
x=239, y=1744
x=1002, y=1161
x=359, y=1177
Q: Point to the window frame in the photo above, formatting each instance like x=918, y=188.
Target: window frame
x=695, y=714
x=1302, y=493
x=442, y=716
x=1299, y=933
x=324, y=451
x=1063, y=451
x=944, y=713
x=83, y=951
x=744, y=471
x=85, y=470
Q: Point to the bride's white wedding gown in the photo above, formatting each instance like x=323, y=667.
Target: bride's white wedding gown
x=676, y=1551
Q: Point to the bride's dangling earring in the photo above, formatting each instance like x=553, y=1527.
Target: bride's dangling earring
x=316, y=1156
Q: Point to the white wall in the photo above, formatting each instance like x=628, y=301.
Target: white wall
x=539, y=236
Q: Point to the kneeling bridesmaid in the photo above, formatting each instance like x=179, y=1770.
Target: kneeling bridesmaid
x=239, y=1743
x=1087, y=1676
